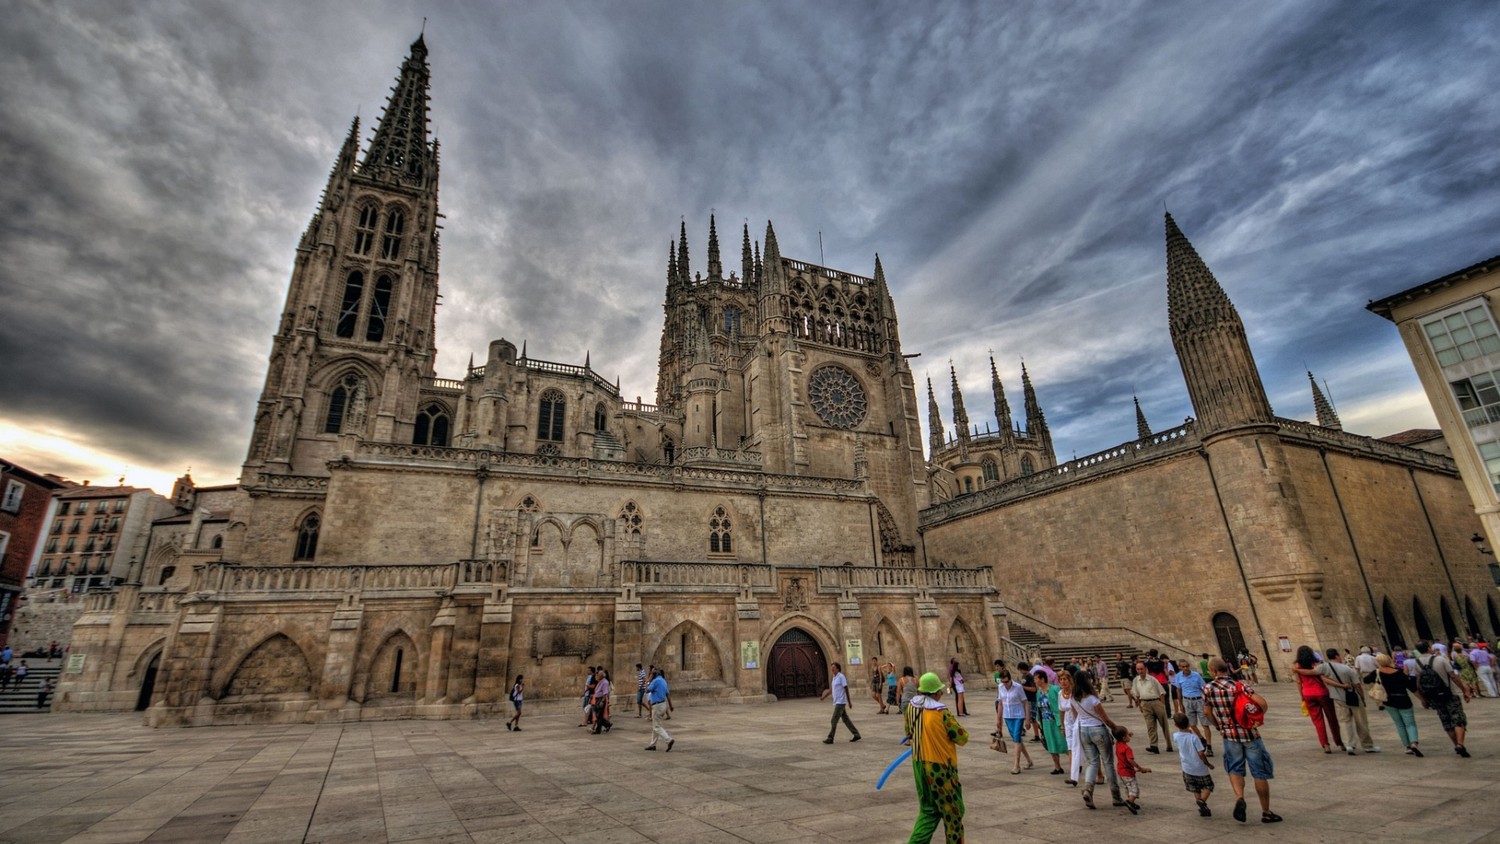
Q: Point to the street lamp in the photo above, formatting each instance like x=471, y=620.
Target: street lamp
x=1479, y=545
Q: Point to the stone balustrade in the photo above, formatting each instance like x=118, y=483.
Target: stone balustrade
x=232, y=579
x=896, y=578
x=645, y=575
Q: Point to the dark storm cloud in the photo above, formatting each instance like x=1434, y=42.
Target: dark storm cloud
x=1008, y=163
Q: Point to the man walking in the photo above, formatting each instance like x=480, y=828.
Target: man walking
x=1243, y=747
x=659, y=696
x=640, y=689
x=1147, y=694
x=1484, y=666
x=1189, y=685
x=1435, y=680
x=935, y=735
x=1348, y=695
x=1124, y=670
x=839, y=689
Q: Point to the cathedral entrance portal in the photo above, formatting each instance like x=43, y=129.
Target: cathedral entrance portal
x=1231, y=640
x=148, y=685
x=797, y=666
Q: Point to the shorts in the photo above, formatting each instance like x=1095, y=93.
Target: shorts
x=1017, y=729
x=516, y=703
x=640, y=696
x=1196, y=783
x=1192, y=707
x=1132, y=788
x=1451, y=713
x=1240, y=754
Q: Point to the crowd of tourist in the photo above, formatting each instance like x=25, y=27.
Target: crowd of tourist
x=1179, y=701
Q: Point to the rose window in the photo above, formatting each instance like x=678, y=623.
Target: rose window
x=837, y=397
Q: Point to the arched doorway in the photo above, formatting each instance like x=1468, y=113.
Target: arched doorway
x=1227, y=631
x=148, y=684
x=1424, y=629
x=1472, y=617
x=1393, y=633
x=1494, y=618
x=797, y=667
x=1450, y=627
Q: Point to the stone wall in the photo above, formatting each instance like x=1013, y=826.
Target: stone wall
x=39, y=623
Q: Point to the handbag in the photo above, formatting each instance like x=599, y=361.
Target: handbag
x=997, y=743
x=1376, y=691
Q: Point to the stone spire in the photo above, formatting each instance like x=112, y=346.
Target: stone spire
x=1002, y=405
x=1142, y=428
x=1222, y=380
x=400, y=148
x=684, y=265
x=771, y=261
x=715, y=266
x=960, y=416
x=759, y=268
x=1035, y=419
x=880, y=286
x=747, y=263
x=1327, y=416
x=934, y=422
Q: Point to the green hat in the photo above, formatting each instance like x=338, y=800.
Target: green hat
x=929, y=684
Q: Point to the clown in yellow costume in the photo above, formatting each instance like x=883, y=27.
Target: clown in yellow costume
x=935, y=736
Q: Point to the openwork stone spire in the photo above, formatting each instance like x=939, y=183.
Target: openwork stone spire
x=715, y=266
x=400, y=147
x=1035, y=419
x=684, y=265
x=934, y=422
x=672, y=276
x=960, y=415
x=1327, y=416
x=1002, y=404
x=1210, y=341
x=1142, y=428
x=747, y=263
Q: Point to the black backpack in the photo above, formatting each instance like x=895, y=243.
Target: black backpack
x=1432, y=685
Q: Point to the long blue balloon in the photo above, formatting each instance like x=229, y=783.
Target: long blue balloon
x=887, y=775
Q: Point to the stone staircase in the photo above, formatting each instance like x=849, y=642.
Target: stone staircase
x=1062, y=653
x=23, y=698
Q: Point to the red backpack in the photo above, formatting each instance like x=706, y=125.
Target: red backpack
x=1247, y=713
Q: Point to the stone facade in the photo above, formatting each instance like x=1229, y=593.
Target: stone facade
x=401, y=545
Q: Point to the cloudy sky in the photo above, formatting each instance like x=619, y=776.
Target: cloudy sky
x=1009, y=162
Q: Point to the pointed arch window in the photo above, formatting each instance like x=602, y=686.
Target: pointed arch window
x=307, y=538
x=432, y=426
x=991, y=471
x=720, y=540
x=601, y=420
x=630, y=518
x=395, y=226
x=218, y=541
x=364, y=230
x=1027, y=467
x=354, y=293
x=380, y=305
x=345, y=404
x=549, y=425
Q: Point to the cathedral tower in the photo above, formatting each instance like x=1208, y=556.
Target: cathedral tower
x=356, y=334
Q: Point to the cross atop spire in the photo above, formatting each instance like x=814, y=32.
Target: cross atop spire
x=1328, y=417
x=715, y=266
x=400, y=147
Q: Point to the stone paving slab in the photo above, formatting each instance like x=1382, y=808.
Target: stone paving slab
x=756, y=773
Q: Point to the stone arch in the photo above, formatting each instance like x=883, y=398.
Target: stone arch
x=1494, y=617
x=830, y=644
x=160, y=559
x=691, y=656
x=276, y=666
x=890, y=646
x=148, y=653
x=1472, y=619
x=963, y=644
x=1394, y=637
x=1445, y=612
x=1419, y=616
x=394, y=671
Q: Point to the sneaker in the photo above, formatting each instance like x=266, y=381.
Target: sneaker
x=1352, y=753
x=518, y=728
x=1131, y=805
x=650, y=747
x=1270, y=817
x=1416, y=752
x=856, y=738
x=1152, y=749
x=1088, y=799
x=1374, y=748
x=670, y=742
x=1239, y=810
x=509, y=726
x=1461, y=751
x=1203, y=810
x=825, y=741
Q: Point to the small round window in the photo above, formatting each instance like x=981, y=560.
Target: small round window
x=837, y=397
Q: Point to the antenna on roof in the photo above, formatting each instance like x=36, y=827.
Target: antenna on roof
x=424, y=27
x=821, y=259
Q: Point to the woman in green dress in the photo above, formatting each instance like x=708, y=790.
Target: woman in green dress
x=1049, y=713
x=1464, y=665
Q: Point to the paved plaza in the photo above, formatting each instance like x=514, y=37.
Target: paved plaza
x=737, y=774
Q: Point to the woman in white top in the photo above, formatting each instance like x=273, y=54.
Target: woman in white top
x=1094, y=728
x=1013, y=714
x=1070, y=727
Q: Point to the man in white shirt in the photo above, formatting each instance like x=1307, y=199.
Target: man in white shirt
x=1484, y=666
x=1146, y=694
x=839, y=689
x=1447, y=703
x=1348, y=696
